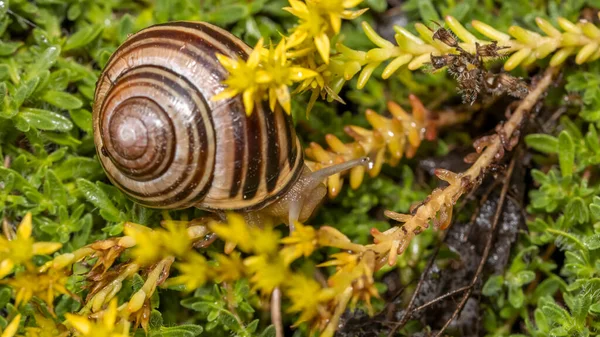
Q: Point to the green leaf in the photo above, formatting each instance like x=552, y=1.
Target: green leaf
x=78, y=167
x=44, y=61
x=595, y=210
x=592, y=242
x=556, y=314
x=188, y=330
x=156, y=320
x=83, y=119
x=566, y=153
x=493, y=285
x=547, y=287
x=523, y=277
x=516, y=296
x=591, y=139
x=8, y=48
x=46, y=120
x=595, y=308
x=25, y=90
x=63, y=100
x=55, y=189
x=5, y=295
x=97, y=197
x=542, y=142
x=227, y=14
x=427, y=11
x=82, y=37
x=577, y=211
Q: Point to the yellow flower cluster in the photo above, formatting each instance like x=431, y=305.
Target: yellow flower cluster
x=20, y=249
x=107, y=326
x=17, y=250
x=581, y=39
x=268, y=268
x=388, y=141
x=302, y=57
x=151, y=245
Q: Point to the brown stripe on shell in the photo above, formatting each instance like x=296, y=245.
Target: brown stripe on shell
x=272, y=156
x=254, y=134
x=238, y=125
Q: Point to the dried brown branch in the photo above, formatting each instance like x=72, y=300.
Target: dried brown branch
x=487, y=249
x=438, y=206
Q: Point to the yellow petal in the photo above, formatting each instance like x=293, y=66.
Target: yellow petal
x=249, y=101
x=299, y=6
x=82, y=324
x=45, y=248
x=24, y=230
x=254, y=57
x=322, y=43
x=283, y=96
x=6, y=267
x=296, y=38
x=299, y=73
x=336, y=22
x=11, y=329
x=225, y=94
x=227, y=62
x=272, y=98
x=110, y=316
x=351, y=3
x=351, y=15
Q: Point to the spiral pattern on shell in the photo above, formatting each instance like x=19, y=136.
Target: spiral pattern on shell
x=166, y=144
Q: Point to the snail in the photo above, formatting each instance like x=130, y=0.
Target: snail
x=166, y=144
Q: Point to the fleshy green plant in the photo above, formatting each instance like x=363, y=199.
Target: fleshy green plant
x=79, y=258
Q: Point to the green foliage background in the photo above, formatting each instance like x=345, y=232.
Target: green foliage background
x=52, y=51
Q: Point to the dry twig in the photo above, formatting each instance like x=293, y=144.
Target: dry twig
x=438, y=206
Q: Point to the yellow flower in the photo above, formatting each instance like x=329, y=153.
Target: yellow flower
x=45, y=286
x=337, y=10
x=278, y=74
x=312, y=26
x=249, y=239
x=11, y=328
x=147, y=243
x=264, y=240
x=267, y=272
x=230, y=267
x=242, y=78
x=153, y=245
x=22, y=248
x=302, y=242
x=175, y=239
x=307, y=296
x=357, y=271
x=235, y=230
x=193, y=273
x=318, y=18
x=45, y=327
x=105, y=327
x=267, y=71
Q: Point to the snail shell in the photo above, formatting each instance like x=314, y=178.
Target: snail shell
x=166, y=144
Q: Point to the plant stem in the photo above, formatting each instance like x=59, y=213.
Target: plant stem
x=395, y=240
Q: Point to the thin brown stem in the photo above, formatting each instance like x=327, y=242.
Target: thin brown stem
x=487, y=249
x=276, y=312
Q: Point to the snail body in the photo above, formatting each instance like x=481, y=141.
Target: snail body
x=166, y=144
